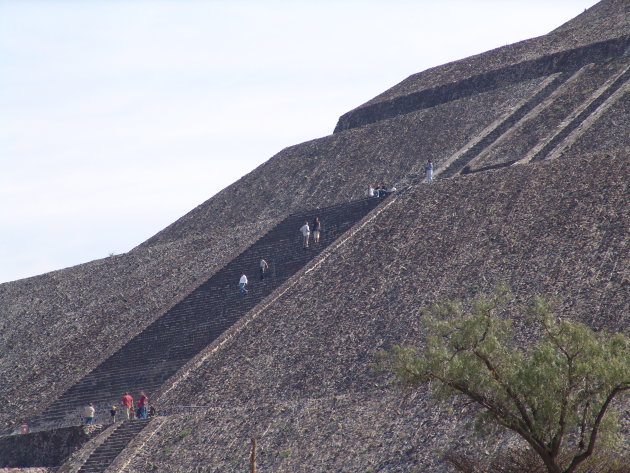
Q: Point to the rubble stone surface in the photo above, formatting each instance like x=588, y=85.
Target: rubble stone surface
x=299, y=378
x=298, y=375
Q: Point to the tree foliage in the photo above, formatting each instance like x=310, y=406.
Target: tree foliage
x=556, y=393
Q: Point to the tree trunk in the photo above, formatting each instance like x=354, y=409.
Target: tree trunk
x=252, y=466
x=550, y=464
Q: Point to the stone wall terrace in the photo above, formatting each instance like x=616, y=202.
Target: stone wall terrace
x=409, y=95
x=45, y=449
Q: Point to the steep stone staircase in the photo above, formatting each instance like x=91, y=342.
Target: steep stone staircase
x=106, y=453
x=154, y=355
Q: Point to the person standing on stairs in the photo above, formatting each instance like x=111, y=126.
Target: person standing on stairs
x=88, y=413
x=317, y=228
x=263, y=267
x=428, y=170
x=306, y=233
x=127, y=403
x=142, y=406
x=242, y=283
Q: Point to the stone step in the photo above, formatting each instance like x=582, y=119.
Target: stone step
x=107, y=452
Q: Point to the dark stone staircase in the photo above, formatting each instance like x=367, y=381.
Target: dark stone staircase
x=153, y=356
x=107, y=452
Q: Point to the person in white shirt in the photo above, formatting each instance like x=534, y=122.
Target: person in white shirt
x=88, y=413
x=263, y=268
x=428, y=169
x=242, y=283
x=306, y=232
x=370, y=191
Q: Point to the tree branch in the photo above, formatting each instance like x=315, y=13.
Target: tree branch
x=556, y=442
x=517, y=402
x=595, y=429
x=506, y=419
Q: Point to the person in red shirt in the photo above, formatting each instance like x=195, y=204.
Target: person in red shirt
x=127, y=402
x=143, y=403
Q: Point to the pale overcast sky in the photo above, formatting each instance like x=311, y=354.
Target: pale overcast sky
x=118, y=117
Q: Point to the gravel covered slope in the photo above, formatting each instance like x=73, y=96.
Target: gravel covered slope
x=610, y=132
x=56, y=327
x=298, y=377
x=605, y=15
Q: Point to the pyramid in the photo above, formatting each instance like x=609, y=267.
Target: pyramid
x=531, y=150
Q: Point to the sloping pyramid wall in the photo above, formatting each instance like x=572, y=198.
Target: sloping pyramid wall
x=391, y=146
x=110, y=301
x=605, y=23
x=299, y=376
x=516, y=237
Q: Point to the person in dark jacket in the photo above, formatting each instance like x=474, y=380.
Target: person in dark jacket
x=143, y=404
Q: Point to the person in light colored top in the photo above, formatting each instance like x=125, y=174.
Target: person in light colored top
x=306, y=233
x=88, y=413
x=428, y=169
x=263, y=268
x=370, y=191
x=242, y=283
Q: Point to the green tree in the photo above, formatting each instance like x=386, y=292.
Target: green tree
x=556, y=392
